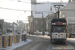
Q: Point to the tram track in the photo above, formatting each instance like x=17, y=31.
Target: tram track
x=41, y=43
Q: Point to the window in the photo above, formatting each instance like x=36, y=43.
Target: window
x=63, y=15
x=59, y=28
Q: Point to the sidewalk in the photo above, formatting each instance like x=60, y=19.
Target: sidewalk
x=16, y=45
x=72, y=40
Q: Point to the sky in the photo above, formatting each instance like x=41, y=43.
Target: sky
x=13, y=15
x=52, y=0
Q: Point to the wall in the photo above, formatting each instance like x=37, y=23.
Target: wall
x=40, y=24
x=49, y=18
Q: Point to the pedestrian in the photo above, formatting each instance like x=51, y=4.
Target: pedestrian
x=43, y=33
x=29, y=33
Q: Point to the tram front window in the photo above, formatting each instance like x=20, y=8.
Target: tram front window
x=59, y=29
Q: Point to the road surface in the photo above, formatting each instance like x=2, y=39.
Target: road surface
x=43, y=43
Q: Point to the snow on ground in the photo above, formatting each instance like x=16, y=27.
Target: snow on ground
x=18, y=44
x=72, y=40
x=38, y=35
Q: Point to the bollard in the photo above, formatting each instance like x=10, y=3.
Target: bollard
x=68, y=35
x=5, y=37
x=23, y=37
x=14, y=39
x=17, y=38
x=10, y=41
x=3, y=41
x=0, y=42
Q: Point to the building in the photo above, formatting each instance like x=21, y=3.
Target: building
x=21, y=27
x=26, y=27
x=37, y=24
x=45, y=8
x=10, y=27
x=49, y=17
x=29, y=23
x=33, y=1
x=37, y=20
x=68, y=12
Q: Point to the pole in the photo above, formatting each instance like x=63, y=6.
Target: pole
x=58, y=12
x=33, y=21
x=42, y=22
x=72, y=29
x=30, y=25
x=58, y=8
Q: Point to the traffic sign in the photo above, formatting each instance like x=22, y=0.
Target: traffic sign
x=33, y=27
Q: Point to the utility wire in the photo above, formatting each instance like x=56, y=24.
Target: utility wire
x=24, y=2
x=13, y=9
x=15, y=20
x=22, y=10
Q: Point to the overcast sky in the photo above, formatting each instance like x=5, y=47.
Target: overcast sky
x=10, y=15
x=52, y=0
x=13, y=15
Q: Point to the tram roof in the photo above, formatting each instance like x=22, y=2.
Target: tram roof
x=58, y=20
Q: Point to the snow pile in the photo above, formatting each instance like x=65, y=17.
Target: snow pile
x=18, y=44
x=72, y=40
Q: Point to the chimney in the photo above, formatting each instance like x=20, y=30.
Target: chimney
x=33, y=1
x=69, y=0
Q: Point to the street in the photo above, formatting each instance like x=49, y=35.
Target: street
x=43, y=43
x=37, y=24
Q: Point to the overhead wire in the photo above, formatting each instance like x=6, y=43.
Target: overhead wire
x=15, y=20
x=24, y=1
x=13, y=9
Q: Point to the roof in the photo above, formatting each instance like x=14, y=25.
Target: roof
x=60, y=20
x=69, y=6
x=49, y=15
